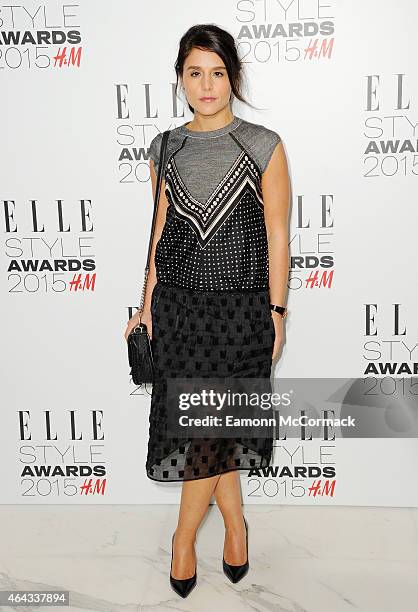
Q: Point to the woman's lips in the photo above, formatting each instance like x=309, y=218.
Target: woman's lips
x=207, y=99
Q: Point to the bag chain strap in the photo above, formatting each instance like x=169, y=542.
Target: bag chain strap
x=154, y=218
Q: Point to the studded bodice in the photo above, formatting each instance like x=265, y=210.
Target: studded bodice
x=214, y=236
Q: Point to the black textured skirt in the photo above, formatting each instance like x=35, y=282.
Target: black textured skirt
x=199, y=334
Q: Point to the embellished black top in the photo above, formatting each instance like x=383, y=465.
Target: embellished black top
x=214, y=237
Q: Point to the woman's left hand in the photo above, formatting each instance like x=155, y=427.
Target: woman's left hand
x=278, y=326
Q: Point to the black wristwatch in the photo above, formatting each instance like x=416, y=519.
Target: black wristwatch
x=280, y=309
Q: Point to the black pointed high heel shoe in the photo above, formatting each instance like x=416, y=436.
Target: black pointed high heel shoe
x=236, y=572
x=185, y=586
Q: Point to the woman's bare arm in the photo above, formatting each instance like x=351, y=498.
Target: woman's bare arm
x=276, y=190
x=159, y=224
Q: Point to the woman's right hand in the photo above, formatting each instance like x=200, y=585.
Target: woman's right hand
x=146, y=318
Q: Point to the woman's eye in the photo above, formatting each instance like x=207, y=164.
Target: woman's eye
x=217, y=72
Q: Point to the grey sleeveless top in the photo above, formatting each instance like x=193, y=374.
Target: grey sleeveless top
x=214, y=236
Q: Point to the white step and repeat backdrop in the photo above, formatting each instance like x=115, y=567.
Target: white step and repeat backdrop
x=84, y=89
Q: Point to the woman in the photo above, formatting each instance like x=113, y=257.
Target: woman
x=219, y=261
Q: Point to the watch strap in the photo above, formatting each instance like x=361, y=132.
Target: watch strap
x=280, y=309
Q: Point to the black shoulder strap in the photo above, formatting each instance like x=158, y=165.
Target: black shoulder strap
x=157, y=191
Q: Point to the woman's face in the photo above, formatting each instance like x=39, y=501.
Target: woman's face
x=206, y=83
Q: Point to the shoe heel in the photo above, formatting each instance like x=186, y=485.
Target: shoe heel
x=236, y=572
x=185, y=586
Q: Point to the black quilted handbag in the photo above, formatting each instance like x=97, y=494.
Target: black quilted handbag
x=139, y=342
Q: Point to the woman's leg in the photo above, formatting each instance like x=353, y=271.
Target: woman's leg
x=228, y=498
x=195, y=498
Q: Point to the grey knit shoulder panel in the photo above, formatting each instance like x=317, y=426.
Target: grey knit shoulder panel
x=259, y=141
x=174, y=142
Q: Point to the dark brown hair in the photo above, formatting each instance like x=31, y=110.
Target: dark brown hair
x=210, y=37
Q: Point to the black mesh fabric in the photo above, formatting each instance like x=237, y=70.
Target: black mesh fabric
x=206, y=334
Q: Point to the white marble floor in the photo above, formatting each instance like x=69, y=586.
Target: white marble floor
x=302, y=559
